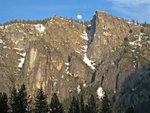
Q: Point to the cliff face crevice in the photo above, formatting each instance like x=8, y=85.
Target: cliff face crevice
x=64, y=54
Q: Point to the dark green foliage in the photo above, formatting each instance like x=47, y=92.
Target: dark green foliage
x=14, y=101
x=28, y=21
x=22, y=96
x=55, y=105
x=86, y=23
x=132, y=21
x=74, y=107
x=142, y=30
x=41, y=105
x=82, y=106
x=92, y=107
x=106, y=108
x=3, y=103
x=86, y=109
x=18, y=100
x=137, y=22
x=130, y=110
x=145, y=24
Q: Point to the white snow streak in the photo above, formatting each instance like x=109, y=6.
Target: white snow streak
x=39, y=27
x=90, y=63
x=5, y=47
x=78, y=89
x=137, y=42
x=22, y=60
x=84, y=35
x=1, y=27
x=1, y=41
x=18, y=49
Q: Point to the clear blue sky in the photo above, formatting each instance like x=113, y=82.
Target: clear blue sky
x=40, y=9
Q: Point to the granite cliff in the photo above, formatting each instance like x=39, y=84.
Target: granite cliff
x=64, y=54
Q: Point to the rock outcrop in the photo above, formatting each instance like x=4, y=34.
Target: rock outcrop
x=64, y=53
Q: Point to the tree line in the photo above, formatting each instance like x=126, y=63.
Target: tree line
x=20, y=102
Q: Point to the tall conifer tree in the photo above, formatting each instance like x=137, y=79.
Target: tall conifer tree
x=74, y=107
x=3, y=103
x=55, y=105
x=92, y=107
x=41, y=105
x=106, y=108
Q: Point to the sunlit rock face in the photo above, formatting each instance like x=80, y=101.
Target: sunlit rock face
x=64, y=54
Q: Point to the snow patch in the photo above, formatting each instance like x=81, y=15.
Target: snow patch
x=1, y=27
x=18, y=49
x=137, y=42
x=87, y=36
x=133, y=51
x=78, y=89
x=84, y=35
x=1, y=41
x=90, y=63
x=148, y=41
x=39, y=27
x=77, y=51
x=67, y=69
x=21, y=54
x=100, y=93
x=84, y=85
x=22, y=60
x=5, y=47
x=30, y=33
x=129, y=22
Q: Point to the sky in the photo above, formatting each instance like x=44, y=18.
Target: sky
x=139, y=10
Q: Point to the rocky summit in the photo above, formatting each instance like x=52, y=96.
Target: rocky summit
x=64, y=54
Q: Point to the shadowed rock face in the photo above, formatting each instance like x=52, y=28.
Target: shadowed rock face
x=65, y=53
x=135, y=91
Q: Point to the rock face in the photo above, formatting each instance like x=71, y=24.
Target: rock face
x=63, y=54
x=108, y=32
x=135, y=91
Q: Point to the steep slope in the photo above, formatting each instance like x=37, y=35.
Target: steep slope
x=113, y=51
x=135, y=91
x=64, y=54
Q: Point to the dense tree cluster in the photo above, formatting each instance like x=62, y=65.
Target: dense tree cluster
x=28, y=21
x=19, y=103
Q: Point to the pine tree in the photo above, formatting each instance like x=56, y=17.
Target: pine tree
x=106, y=108
x=86, y=110
x=3, y=103
x=22, y=96
x=82, y=106
x=55, y=105
x=74, y=107
x=14, y=101
x=92, y=107
x=41, y=105
x=18, y=100
x=130, y=110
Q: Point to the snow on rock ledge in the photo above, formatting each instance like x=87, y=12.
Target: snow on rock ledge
x=88, y=62
x=87, y=36
x=100, y=93
x=40, y=27
x=84, y=35
x=22, y=60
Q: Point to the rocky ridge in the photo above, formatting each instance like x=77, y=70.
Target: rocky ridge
x=64, y=54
